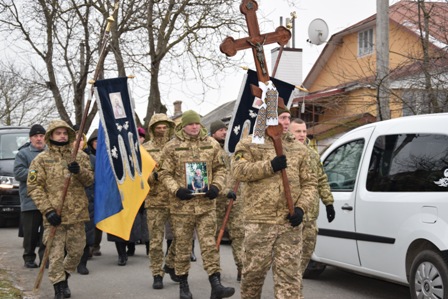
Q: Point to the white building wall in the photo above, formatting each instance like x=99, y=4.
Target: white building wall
x=290, y=67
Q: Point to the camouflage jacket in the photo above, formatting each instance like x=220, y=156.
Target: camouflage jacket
x=263, y=192
x=176, y=153
x=158, y=195
x=323, y=189
x=48, y=173
x=230, y=180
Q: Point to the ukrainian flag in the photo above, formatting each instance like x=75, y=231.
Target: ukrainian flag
x=122, y=166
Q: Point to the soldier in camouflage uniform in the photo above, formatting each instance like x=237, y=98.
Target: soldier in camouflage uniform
x=160, y=130
x=310, y=229
x=46, y=178
x=272, y=236
x=194, y=211
x=218, y=131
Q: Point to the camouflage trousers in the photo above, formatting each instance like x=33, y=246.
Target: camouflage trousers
x=183, y=227
x=276, y=245
x=157, y=218
x=66, y=250
x=234, y=226
x=309, y=236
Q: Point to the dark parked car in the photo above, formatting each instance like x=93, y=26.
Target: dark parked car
x=11, y=138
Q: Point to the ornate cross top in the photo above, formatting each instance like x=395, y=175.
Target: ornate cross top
x=256, y=40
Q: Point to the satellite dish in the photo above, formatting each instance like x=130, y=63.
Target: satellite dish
x=317, y=32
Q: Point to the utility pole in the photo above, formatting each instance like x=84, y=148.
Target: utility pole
x=382, y=59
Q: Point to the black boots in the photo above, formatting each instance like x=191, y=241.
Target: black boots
x=184, y=288
x=82, y=267
x=58, y=290
x=61, y=289
x=218, y=290
x=158, y=282
x=193, y=256
x=65, y=289
x=147, y=247
x=171, y=272
x=131, y=249
x=121, y=250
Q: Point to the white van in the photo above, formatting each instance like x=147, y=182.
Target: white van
x=390, y=185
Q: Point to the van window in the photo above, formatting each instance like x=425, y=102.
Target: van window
x=341, y=166
x=409, y=162
x=10, y=143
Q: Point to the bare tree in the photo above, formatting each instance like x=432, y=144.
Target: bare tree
x=60, y=41
x=18, y=98
x=182, y=41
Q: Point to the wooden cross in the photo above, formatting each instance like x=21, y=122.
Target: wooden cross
x=256, y=40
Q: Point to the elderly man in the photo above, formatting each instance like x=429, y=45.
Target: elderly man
x=47, y=175
x=189, y=211
x=31, y=218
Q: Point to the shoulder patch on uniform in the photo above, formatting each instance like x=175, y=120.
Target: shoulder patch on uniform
x=32, y=176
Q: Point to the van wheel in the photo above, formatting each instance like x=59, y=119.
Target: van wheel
x=313, y=270
x=429, y=275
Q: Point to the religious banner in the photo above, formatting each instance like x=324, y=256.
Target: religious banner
x=247, y=107
x=122, y=166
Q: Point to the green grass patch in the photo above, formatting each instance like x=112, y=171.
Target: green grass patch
x=7, y=289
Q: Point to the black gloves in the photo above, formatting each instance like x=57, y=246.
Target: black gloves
x=296, y=218
x=278, y=163
x=74, y=167
x=212, y=192
x=156, y=175
x=231, y=195
x=184, y=194
x=53, y=218
x=331, y=213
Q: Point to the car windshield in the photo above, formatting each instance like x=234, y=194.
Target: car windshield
x=10, y=143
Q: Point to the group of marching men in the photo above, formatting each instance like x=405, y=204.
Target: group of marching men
x=264, y=232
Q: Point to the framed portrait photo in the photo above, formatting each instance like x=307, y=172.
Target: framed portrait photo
x=196, y=177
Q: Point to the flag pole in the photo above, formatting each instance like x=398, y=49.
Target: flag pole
x=48, y=245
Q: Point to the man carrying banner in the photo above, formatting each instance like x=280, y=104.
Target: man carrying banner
x=272, y=235
x=46, y=178
x=189, y=150
x=160, y=130
x=218, y=131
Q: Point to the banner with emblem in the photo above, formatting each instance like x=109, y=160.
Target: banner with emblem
x=247, y=108
x=122, y=166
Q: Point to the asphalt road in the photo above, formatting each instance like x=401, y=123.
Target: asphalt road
x=108, y=280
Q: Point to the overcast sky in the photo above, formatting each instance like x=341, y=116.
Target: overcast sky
x=337, y=14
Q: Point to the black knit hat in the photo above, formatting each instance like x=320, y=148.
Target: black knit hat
x=216, y=125
x=37, y=129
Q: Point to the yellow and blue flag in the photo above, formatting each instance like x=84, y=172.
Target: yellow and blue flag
x=122, y=166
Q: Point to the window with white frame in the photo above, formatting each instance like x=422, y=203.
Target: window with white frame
x=365, y=42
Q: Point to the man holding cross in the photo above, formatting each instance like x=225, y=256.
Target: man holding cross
x=284, y=184
x=272, y=235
